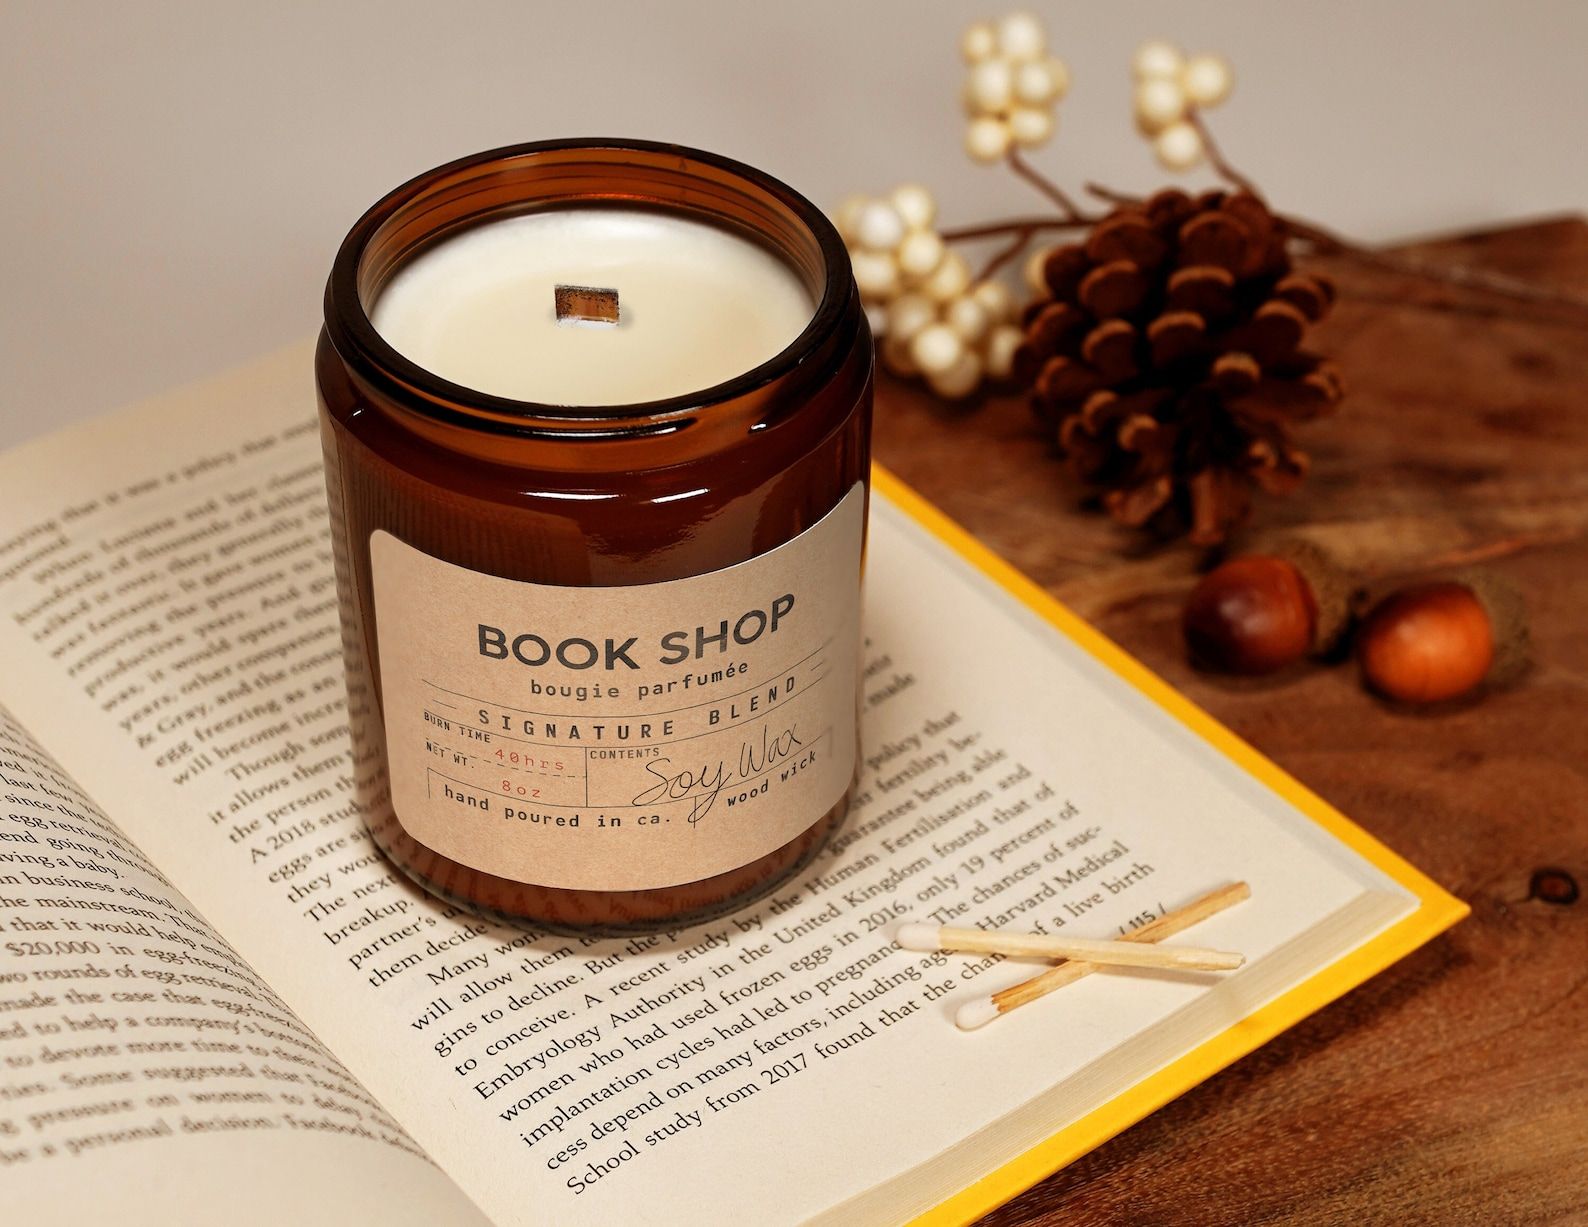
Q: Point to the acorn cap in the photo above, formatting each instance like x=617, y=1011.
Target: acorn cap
x=1332, y=588
x=1513, y=644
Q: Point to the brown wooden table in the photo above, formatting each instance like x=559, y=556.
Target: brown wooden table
x=1453, y=1088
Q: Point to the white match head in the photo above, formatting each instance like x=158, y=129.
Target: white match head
x=975, y=1014
x=917, y=935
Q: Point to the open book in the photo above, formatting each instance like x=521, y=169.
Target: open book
x=218, y=1001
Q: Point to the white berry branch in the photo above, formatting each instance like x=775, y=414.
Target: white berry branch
x=936, y=318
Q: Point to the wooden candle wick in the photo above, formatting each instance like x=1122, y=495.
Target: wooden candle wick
x=979, y=1013
x=585, y=304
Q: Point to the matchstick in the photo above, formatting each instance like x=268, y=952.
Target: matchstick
x=917, y=936
x=979, y=1013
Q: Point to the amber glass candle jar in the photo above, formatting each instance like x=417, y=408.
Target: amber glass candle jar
x=602, y=659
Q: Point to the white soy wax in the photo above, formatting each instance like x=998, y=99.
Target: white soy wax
x=698, y=305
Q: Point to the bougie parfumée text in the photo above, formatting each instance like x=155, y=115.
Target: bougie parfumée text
x=596, y=419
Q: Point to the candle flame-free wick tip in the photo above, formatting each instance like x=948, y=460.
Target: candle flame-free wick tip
x=586, y=304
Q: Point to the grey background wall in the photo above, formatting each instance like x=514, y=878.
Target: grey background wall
x=174, y=177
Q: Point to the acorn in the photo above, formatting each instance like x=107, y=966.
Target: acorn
x=1439, y=640
x=1260, y=612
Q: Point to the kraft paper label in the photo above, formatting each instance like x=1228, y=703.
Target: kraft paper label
x=621, y=738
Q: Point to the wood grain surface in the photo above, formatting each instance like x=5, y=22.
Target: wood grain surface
x=1453, y=1088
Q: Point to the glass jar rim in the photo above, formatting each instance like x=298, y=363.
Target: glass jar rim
x=355, y=337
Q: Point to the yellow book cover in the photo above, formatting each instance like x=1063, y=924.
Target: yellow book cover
x=1437, y=909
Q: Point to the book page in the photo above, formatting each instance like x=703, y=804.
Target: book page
x=140, y=1054
x=167, y=600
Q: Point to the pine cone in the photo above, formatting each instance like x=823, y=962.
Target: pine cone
x=1166, y=360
